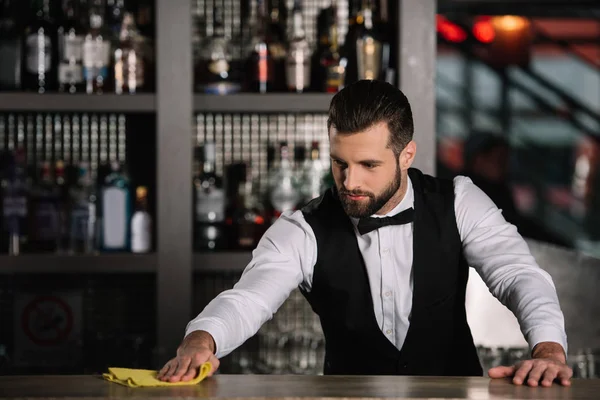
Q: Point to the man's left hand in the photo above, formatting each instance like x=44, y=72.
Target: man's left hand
x=548, y=364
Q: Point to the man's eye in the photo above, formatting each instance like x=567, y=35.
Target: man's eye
x=369, y=166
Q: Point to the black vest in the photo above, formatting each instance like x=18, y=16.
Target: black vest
x=439, y=341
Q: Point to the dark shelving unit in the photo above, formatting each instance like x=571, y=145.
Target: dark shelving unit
x=23, y=101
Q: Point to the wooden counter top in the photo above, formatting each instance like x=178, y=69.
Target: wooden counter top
x=294, y=386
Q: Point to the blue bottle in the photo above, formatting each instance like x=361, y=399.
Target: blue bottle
x=115, y=198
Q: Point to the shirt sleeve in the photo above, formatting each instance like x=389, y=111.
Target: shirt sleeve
x=283, y=260
x=502, y=258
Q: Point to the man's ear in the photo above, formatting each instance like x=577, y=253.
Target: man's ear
x=407, y=155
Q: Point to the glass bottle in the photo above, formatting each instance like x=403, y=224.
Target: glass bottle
x=283, y=191
x=40, y=72
x=44, y=228
x=130, y=58
x=209, y=202
x=260, y=64
x=141, y=223
x=299, y=54
x=81, y=213
x=116, y=210
x=70, y=69
x=213, y=68
x=332, y=64
x=313, y=172
x=246, y=217
x=96, y=51
x=10, y=47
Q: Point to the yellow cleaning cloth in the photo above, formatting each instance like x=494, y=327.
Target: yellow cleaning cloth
x=147, y=378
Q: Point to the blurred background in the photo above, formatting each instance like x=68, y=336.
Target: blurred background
x=146, y=145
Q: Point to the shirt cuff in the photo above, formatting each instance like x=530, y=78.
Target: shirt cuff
x=547, y=334
x=215, y=330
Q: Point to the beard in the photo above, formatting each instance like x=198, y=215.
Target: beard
x=373, y=203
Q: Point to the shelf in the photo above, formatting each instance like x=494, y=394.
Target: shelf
x=95, y=264
x=135, y=103
x=221, y=261
x=264, y=103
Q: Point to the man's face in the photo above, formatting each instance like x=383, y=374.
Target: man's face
x=367, y=174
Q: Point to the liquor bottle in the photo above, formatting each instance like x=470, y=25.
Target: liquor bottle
x=246, y=220
x=213, y=68
x=313, y=173
x=82, y=213
x=364, y=46
x=283, y=189
x=63, y=205
x=130, y=58
x=332, y=64
x=96, y=51
x=141, y=223
x=116, y=211
x=44, y=227
x=299, y=54
x=40, y=72
x=209, y=202
x=368, y=46
x=71, y=35
x=115, y=13
x=10, y=47
x=15, y=203
x=276, y=37
x=261, y=64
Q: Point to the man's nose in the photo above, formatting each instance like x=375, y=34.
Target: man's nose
x=351, y=179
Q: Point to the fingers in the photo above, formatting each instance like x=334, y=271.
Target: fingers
x=523, y=370
x=214, y=361
x=183, y=364
x=549, y=376
x=501, y=372
x=564, y=375
x=535, y=375
x=192, y=369
x=163, y=371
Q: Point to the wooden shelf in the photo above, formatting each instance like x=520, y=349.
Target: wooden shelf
x=264, y=103
x=221, y=261
x=135, y=103
x=75, y=264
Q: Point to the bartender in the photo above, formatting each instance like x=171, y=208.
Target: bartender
x=383, y=258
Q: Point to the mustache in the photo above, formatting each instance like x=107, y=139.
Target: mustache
x=355, y=193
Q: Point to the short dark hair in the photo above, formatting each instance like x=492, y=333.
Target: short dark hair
x=365, y=103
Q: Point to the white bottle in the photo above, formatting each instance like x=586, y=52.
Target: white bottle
x=141, y=223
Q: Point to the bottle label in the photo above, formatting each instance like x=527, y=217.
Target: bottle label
x=298, y=74
x=39, y=53
x=96, y=54
x=46, y=221
x=79, y=222
x=93, y=73
x=115, y=221
x=73, y=48
x=70, y=73
x=369, y=58
x=141, y=232
x=14, y=206
x=210, y=205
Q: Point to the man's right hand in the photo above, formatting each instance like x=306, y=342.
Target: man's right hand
x=197, y=348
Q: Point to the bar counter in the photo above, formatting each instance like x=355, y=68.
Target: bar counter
x=294, y=387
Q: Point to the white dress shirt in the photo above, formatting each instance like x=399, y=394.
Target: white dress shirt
x=286, y=255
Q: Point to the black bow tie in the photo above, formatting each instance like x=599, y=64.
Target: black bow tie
x=366, y=225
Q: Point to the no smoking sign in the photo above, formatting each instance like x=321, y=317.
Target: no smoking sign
x=47, y=320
